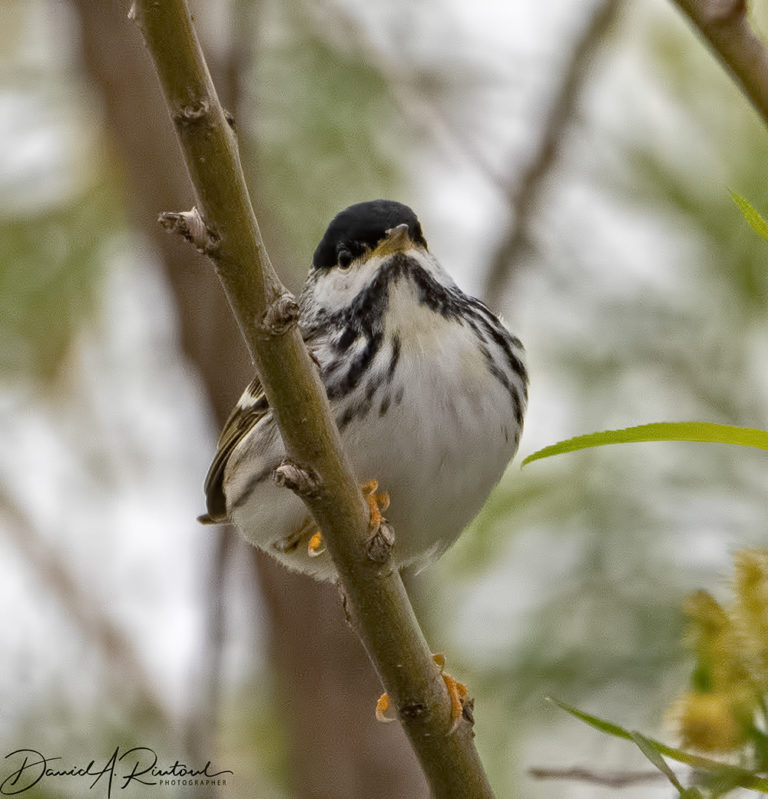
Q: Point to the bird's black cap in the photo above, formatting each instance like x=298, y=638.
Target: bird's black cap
x=361, y=225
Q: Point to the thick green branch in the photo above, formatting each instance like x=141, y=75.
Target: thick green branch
x=226, y=229
x=724, y=24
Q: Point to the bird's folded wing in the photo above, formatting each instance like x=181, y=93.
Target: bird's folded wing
x=250, y=409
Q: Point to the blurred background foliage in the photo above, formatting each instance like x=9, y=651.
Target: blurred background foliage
x=639, y=291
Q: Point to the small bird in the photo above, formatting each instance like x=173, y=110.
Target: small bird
x=427, y=386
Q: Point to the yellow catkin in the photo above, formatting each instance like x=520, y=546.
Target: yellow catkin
x=731, y=648
x=709, y=722
x=750, y=611
x=712, y=637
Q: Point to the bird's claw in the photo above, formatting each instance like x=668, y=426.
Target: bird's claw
x=457, y=692
x=316, y=545
x=376, y=501
x=385, y=710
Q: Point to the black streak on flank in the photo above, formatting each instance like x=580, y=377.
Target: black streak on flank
x=346, y=338
x=394, y=358
x=360, y=364
x=505, y=343
x=348, y=415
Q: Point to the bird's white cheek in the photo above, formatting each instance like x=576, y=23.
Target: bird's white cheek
x=338, y=287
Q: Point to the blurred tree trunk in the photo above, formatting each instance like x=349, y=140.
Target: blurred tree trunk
x=327, y=685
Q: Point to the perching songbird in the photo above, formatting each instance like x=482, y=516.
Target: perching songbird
x=427, y=385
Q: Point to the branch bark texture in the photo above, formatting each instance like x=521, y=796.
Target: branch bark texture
x=725, y=26
x=375, y=596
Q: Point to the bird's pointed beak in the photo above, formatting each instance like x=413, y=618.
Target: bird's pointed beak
x=398, y=239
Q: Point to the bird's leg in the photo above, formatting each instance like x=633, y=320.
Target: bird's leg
x=376, y=501
x=457, y=692
x=316, y=545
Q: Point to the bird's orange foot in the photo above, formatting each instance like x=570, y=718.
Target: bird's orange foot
x=457, y=692
x=460, y=704
x=385, y=710
x=377, y=502
x=316, y=545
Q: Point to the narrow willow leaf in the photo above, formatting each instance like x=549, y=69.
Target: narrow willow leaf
x=737, y=776
x=594, y=721
x=645, y=745
x=706, y=432
x=752, y=215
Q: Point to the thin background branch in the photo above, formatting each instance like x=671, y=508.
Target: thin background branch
x=523, y=191
x=126, y=671
x=417, y=107
x=619, y=779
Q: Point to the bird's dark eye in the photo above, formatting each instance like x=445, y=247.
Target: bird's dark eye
x=345, y=259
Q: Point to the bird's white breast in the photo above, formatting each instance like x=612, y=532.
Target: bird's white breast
x=427, y=418
x=447, y=434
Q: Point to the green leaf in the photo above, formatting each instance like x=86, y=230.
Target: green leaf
x=706, y=432
x=736, y=776
x=646, y=746
x=751, y=214
x=594, y=721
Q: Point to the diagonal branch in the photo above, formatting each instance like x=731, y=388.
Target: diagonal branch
x=227, y=230
x=725, y=26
